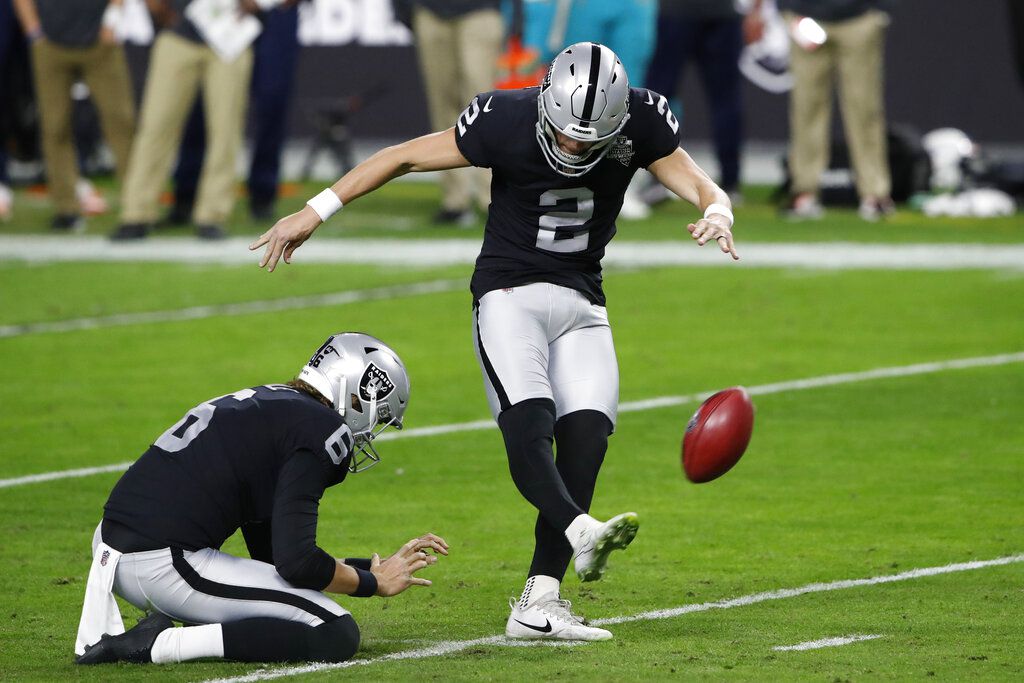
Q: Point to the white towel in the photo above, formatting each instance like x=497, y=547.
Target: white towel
x=100, y=613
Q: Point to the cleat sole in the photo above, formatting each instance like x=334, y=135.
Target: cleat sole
x=618, y=537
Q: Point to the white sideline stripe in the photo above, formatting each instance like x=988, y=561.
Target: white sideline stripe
x=631, y=406
x=243, y=308
x=63, y=474
x=809, y=588
x=421, y=252
x=826, y=642
x=454, y=646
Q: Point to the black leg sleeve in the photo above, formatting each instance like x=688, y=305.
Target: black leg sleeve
x=581, y=439
x=264, y=639
x=528, y=428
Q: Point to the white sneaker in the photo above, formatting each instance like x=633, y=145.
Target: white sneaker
x=550, y=617
x=593, y=545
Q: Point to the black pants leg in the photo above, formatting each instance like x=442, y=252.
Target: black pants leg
x=581, y=439
x=279, y=640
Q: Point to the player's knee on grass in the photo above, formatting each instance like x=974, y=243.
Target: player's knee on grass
x=334, y=641
x=264, y=639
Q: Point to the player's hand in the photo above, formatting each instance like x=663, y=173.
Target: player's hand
x=714, y=227
x=107, y=36
x=285, y=237
x=397, y=573
x=753, y=27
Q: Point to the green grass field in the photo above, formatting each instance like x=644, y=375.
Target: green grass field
x=852, y=481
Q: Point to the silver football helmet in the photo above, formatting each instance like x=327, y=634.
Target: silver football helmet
x=585, y=96
x=367, y=383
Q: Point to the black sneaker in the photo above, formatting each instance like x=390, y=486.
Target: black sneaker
x=261, y=211
x=130, y=231
x=134, y=645
x=462, y=219
x=179, y=214
x=209, y=231
x=67, y=223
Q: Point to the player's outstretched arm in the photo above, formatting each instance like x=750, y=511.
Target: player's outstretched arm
x=679, y=173
x=434, y=152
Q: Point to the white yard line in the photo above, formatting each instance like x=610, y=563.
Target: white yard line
x=243, y=308
x=421, y=252
x=631, y=406
x=825, y=642
x=454, y=646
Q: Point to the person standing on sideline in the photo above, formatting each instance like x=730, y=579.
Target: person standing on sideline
x=562, y=156
x=708, y=33
x=180, y=64
x=72, y=41
x=458, y=43
x=837, y=41
x=275, y=56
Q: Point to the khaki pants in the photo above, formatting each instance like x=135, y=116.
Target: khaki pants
x=104, y=70
x=853, y=53
x=458, y=58
x=177, y=69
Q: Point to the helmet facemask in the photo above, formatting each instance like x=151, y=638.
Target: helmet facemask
x=364, y=455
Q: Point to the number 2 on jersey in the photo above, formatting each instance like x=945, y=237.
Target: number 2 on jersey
x=556, y=227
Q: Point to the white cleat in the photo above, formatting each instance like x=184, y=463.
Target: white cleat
x=593, y=545
x=551, y=618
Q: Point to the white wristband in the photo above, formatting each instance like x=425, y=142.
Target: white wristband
x=721, y=209
x=325, y=204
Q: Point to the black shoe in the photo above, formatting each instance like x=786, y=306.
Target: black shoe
x=178, y=215
x=134, y=645
x=261, y=210
x=462, y=218
x=67, y=223
x=130, y=231
x=209, y=231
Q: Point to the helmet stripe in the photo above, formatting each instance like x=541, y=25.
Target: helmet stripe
x=595, y=70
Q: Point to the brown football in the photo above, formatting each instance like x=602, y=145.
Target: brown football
x=717, y=435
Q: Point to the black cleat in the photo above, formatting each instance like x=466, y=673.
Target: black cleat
x=209, y=231
x=134, y=645
x=67, y=223
x=130, y=231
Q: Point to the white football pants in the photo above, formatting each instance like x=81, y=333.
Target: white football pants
x=211, y=587
x=546, y=341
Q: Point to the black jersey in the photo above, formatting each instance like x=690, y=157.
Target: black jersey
x=261, y=456
x=542, y=226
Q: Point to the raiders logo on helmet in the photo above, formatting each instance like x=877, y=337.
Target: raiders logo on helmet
x=376, y=380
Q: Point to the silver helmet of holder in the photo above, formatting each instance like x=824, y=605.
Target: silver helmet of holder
x=367, y=384
x=585, y=96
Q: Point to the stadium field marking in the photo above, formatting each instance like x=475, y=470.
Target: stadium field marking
x=628, y=407
x=455, y=646
x=421, y=252
x=826, y=642
x=233, y=309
